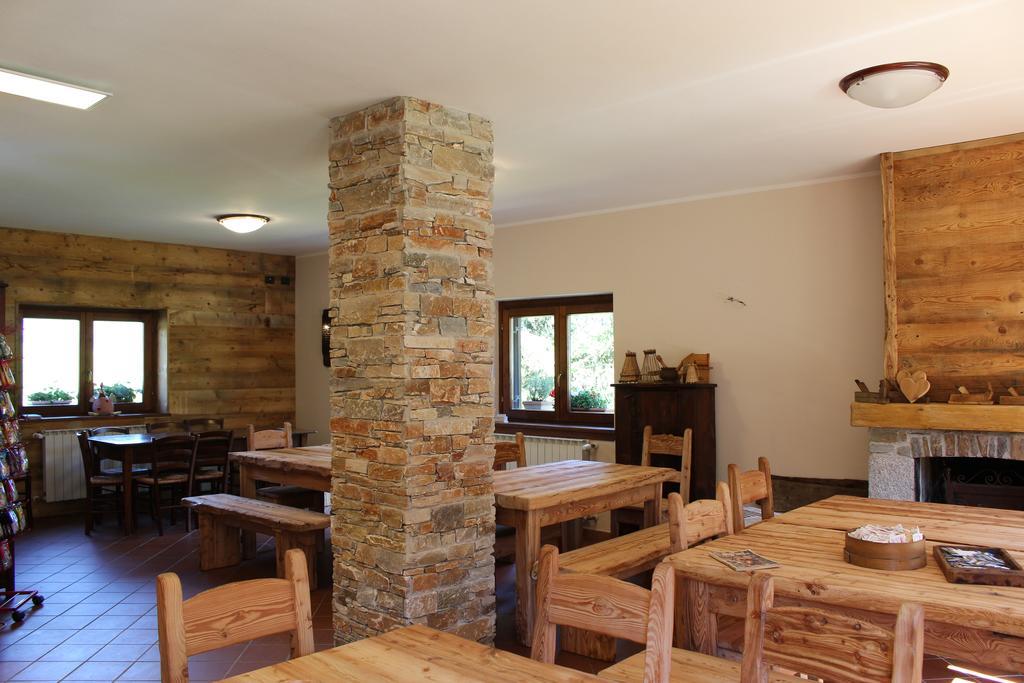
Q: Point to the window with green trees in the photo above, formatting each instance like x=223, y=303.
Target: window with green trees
x=557, y=360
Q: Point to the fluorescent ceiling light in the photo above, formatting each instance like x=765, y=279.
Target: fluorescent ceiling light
x=242, y=222
x=44, y=89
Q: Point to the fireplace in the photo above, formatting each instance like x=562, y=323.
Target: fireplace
x=947, y=466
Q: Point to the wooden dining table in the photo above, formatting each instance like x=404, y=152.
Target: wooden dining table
x=129, y=449
x=308, y=467
x=530, y=498
x=412, y=655
x=983, y=625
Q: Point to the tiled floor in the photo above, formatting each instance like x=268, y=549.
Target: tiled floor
x=99, y=619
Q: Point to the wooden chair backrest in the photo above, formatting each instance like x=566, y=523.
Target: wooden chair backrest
x=269, y=439
x=670, y=444
x=231, y=614
x=700, y=520
x=510, y=451
x=204, y=424
x=169, y=427
x=212, y=449
x=88, y=455
x=752, y=486
x=173, y=453
x=608, y=606
x=100, y=431
x=827, y=644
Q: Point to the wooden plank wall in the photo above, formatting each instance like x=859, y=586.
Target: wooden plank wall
x=230, y=337
x=954, y=263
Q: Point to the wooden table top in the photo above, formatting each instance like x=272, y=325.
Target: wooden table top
x=413, y=654
x=812, y=567
x=953, y=524
x=125, y=439
x=550, y=484
x=315, y=460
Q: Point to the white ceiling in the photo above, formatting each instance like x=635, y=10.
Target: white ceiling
x=223, y=106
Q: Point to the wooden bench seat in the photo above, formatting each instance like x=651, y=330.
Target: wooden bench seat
x=223, y=516
x=623, y=557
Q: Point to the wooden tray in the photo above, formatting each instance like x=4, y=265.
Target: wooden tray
x=988, y=577
x=887, y=556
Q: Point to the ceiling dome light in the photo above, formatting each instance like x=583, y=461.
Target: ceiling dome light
x=889, y=86
x=242, y=222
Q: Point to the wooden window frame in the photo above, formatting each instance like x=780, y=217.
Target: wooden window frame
x=561, y=308
x=85, y=318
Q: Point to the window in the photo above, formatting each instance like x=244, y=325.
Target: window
x=67, y=353
x=557, y=360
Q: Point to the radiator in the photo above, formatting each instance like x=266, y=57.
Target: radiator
x=63, y=476
x=542, y=449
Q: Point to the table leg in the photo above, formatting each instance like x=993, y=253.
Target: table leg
x=702, y=631
x=652, y=507
x=127, y=459
x=247, y=489
x=527, y=553
x=572, y=534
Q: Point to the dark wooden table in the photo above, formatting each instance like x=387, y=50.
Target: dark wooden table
x=129, y=449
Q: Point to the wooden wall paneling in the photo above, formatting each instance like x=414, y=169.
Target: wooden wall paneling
x=954, y=263
x=227, y=336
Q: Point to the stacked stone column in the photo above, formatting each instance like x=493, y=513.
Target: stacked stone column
x=411, y=355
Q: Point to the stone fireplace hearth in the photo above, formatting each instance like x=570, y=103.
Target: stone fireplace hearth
x=892, y=468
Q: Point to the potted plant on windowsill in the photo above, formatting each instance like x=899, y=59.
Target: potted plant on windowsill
x=51, y=396
x=588, y=400
x=535, y=400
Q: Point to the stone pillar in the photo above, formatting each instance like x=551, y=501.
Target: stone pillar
x=411, y=355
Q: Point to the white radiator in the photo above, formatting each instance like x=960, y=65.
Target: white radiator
x=542, y=449
x=63, y=476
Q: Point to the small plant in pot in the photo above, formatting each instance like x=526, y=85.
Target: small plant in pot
x=50, y=396
x=536, y=388
x=588, y=400
x=118, y=393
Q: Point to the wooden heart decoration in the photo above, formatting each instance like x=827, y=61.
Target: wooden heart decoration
x=913, y=385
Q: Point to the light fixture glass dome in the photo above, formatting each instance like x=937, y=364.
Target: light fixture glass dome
x=889, y=86
x=242, y=222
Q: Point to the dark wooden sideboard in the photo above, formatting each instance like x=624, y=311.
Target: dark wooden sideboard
x=669, y=409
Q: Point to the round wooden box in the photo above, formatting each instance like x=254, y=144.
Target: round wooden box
x=889, y=556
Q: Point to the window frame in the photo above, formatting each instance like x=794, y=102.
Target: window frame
x=561, y=308
x=85, y=317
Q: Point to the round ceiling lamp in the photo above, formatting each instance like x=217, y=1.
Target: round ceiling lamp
x=242, y=222
x=899, y=84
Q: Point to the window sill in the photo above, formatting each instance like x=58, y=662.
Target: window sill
x=79, y=418
x=560, y=431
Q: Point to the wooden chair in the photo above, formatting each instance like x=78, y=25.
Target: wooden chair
x=506, y=452
x=198, y=425
x=211, y=464
x=267, y=439
x=102, y=491
x=100, y=431
x=605, y=605
x=659, y=444
x=231, y=614
x=630, y=555
x=792, y=643
x=167, y=427
x=172, y=458
x=748, y=488
x=827, y=644
x=292, y=496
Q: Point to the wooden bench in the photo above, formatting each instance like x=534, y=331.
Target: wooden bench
x=223, y=516
x=626, y=556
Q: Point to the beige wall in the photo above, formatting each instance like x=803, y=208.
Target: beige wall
x=807, y=262
x=312, y=407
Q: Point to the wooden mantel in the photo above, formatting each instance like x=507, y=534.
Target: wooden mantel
x=968, y=418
